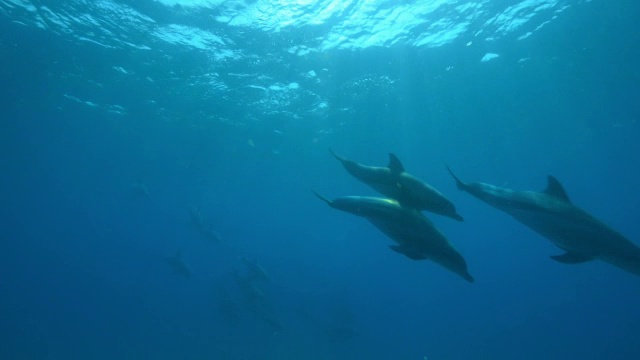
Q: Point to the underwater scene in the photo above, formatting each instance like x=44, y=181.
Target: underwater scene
x=354, y=179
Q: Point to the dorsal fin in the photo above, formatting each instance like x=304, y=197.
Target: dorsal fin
x=394, y=164
x=554, y=188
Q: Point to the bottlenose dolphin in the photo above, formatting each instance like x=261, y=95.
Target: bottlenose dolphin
x=178, y=265
x=393, y=181
x=551, y=214
x=255, y=271
x=205, y=230
x=139, y=190
x=415, y=234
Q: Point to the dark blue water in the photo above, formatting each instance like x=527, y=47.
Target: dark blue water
x=133, y=131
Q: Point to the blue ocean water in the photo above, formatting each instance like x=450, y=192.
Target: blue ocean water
x=157, y=160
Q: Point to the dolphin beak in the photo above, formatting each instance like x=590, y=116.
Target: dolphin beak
x=459, y=183
x=340, y=158
x=329, y=202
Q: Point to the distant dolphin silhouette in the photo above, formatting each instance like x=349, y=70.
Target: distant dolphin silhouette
x=551, y=214
x=178, y=265
x=139, y=191
x=255, y=271
x=205, y=230
x=416, y=236
x=393, y=181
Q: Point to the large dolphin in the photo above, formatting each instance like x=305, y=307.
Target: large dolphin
x=551, y=214
x=393, y=181
x=415, y=235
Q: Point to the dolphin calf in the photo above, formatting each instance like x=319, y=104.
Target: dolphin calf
x=551, y=214
x=415, y=235
x=393, y=181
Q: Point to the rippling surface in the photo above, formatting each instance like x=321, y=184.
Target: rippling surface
x=272, y=56
x=351, y=25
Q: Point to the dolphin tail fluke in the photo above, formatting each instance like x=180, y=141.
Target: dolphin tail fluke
x=459, y=183
x=329, y=202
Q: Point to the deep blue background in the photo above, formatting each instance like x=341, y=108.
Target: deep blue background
x=81, y=259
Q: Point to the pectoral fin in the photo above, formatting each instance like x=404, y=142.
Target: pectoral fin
x=572, y=258
x=408, y=252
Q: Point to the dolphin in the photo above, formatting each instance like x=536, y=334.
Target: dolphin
x=178, y=265
x=206, y=231
x=416, y=236
x=139, y=190
x=551, y=214
x=255, y=271
x=393, y=181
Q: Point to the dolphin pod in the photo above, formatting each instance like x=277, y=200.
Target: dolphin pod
x=415, y=234
x=399, y=216
x=394, y=182
x=551, y=214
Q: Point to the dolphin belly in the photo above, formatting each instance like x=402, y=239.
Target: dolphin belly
x=567, y=235
x=629, y=262
x=422, y=240
x=584, y=238
x=581, y=234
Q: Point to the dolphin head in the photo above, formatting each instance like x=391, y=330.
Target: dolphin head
x=361, y=205
x=453, y=261
x=338, y=157
x=364, y=173
x=485, y=192
x=364, y=206
x=461, y=185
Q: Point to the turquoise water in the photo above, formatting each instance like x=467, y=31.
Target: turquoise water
x=158, y=156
